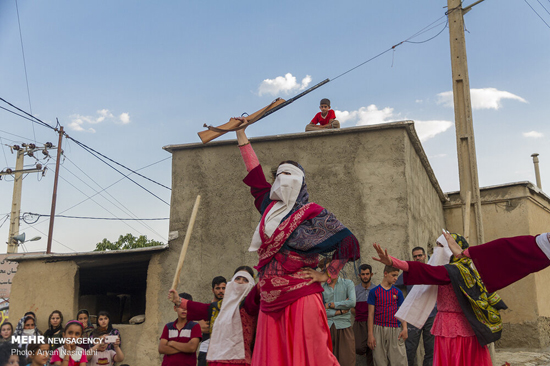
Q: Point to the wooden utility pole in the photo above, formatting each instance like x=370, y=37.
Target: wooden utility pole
x=54, y=195
x=16, y=202
x=465, y=143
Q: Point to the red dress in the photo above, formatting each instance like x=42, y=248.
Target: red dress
x=455, y=340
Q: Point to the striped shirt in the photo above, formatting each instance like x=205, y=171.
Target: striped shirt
x=386, y=303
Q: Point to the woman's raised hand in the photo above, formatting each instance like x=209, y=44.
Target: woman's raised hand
x=383, y=254
x=453, y=246
x=241, y=135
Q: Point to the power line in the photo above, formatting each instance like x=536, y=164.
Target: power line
x=98, y=218
x=110, y=195
x=94, y=153
x=90, y=150
x=24, y=65
x=543, y=7
x=109, y=186
x=9, y=133
x=121, y=165
x=537, y=13
x=423, y=30
x=97, y=203
x=57, y=241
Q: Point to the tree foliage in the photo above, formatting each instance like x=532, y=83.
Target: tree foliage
x=127, y=241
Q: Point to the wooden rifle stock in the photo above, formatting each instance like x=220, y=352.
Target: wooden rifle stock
x=234, y=124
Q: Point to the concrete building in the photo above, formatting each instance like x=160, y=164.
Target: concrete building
x=376, y=179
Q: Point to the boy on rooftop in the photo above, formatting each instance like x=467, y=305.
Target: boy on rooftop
x=385, y=336
x=326, y=118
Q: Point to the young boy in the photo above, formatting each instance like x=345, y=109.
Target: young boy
x=326, y=118
x=386, y=339
x=179, y=340
x=100, y=355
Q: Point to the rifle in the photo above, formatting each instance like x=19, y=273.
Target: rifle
x=234, y=124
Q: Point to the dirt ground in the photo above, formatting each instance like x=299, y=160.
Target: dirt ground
x=522, y=357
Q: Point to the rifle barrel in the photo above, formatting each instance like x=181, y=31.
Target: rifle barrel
x=294, y=98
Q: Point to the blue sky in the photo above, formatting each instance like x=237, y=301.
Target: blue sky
x=129, y=77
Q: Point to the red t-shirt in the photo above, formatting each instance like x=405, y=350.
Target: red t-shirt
x=171, y=333
x=323, y=121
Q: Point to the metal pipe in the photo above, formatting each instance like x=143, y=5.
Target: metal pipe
x=535, y=157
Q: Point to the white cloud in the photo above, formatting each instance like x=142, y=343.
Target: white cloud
x=428, y=129
x=533, y=134
x=486, y=98
x=124, y=118
x=80, y=122
x=418, y=101
x=371, y=115
x=283, y=84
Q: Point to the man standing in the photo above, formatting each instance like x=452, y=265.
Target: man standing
x=339, y=298
x=411, y=343
x=218, y=289
x=361, y=311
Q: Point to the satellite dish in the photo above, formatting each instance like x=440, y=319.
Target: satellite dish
x=19, y=238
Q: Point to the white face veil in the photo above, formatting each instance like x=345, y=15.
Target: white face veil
x=421, y=300
x=285, y=191
x=226, y=342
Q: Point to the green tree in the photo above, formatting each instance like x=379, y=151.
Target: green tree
x=127, y=241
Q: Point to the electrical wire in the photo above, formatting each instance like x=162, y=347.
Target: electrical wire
x=93, y=152
x=90, y=150
x=543, y=7
x=117, y=163
x=123, y=209
x=4, y=151
x=541, y=18
x=25, y=65
x=9, y=133
x=109, y=186
x=57, y=241
x=5, y=219
x=97, y=218
x=97, y=203
x=423, y=30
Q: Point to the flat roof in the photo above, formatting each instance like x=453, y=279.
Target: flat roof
x=408, y=125
x=87, y=255
x=524, y=183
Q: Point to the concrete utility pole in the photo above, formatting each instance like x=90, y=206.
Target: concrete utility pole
x=16, y=202
x=465, y=143
x=17, y=190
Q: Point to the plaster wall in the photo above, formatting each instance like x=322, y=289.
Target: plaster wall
x=373, y=180
x=32, y=291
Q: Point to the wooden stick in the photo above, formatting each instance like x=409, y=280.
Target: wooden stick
x=186, y=243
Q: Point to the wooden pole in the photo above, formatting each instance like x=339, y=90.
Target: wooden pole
x=54, y=195
x=186, y=243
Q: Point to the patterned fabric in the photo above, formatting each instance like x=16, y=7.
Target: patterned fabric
x=480, y=307
x=386, y=303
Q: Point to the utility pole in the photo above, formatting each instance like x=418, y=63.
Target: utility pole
x=16, y=202
x=26, y=149
x=54, y=196
x=465, y=143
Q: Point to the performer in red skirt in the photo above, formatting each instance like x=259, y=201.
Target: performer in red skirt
x=467, y=315
x=292, y=234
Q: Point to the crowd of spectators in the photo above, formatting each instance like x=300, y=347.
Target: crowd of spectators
x=74, y=343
